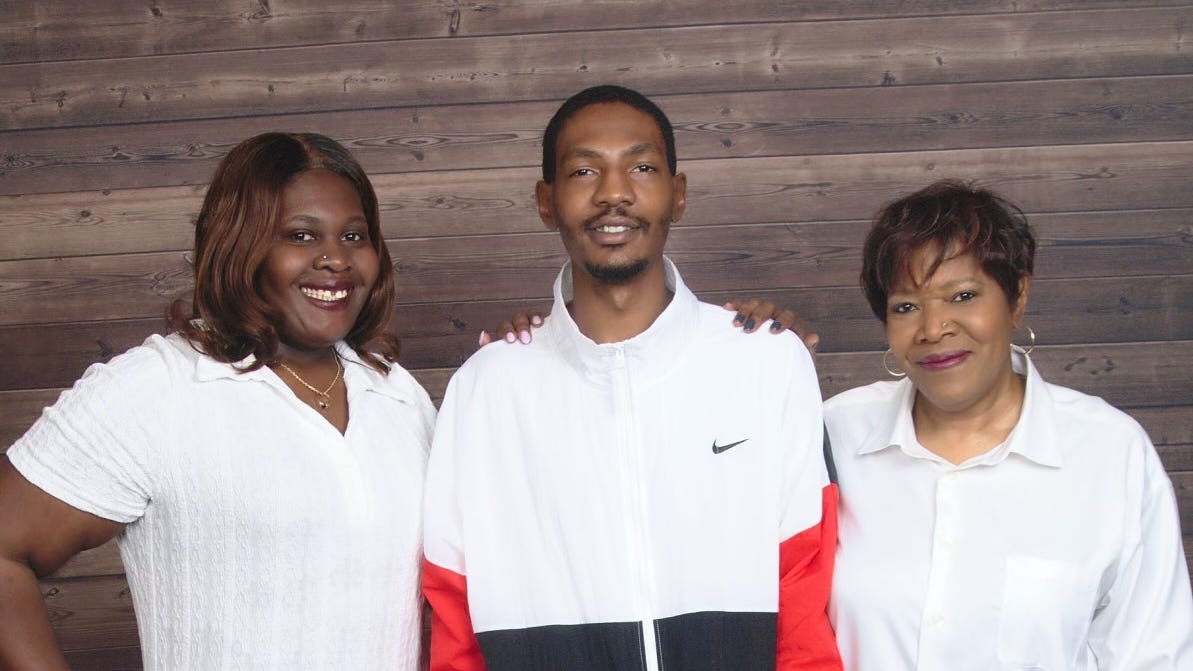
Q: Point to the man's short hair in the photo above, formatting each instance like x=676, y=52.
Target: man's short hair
x=605, y=93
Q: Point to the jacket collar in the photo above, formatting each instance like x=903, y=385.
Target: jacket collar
x=1034, y=436
x=648, y=355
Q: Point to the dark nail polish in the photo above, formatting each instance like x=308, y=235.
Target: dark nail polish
x=750, y=324
x=776, y=327
x=738, y=318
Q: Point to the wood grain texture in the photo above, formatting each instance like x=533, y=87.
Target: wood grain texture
x=91, y=613
x=50, y=30
x=1182, y=482
x=106, y=659
x=824, y=188
x=795, y=121
x=443, y=334
x=733, y=124
x=20, y=410
x=773, y=55
x=1167, y=425
x=1177, y=457
x=522, y=267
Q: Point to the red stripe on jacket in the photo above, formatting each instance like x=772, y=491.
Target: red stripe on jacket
x=453, y=642
x=805, y=637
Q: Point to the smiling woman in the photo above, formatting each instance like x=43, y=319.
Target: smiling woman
x=1018, y=524
x=257, y=464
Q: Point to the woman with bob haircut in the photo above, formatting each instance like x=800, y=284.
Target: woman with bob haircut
x=261, y=467
x=990, y=519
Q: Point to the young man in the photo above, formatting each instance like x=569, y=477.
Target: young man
x=658, y=497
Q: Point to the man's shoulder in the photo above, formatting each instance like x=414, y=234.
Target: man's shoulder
x=716, y=327
x=503, y=357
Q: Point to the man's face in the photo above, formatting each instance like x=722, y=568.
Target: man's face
x=614, y=198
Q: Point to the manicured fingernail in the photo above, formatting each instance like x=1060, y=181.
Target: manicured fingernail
x=750, y=324
x=536, y=320
x=524, y=336
x=482, y=339
x=509, y=337
x=739, y=318
x=776, y=327
x=815, y=345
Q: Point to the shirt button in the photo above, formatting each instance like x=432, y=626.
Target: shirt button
x=936, y=619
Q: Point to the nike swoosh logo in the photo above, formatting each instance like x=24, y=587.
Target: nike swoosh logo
x=717, y=449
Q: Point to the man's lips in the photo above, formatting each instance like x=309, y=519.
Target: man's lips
x=943, y=360
x=612, y=229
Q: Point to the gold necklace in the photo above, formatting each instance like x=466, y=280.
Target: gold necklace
x=324, y=398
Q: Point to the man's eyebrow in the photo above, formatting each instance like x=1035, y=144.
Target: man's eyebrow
x=582, y=152
x=641, y=148
x=635, y=150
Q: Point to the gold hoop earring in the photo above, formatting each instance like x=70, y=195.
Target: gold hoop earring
x=887, y=366
x=1031, y=341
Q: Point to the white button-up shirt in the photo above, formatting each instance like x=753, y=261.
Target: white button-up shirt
x=1058, y=549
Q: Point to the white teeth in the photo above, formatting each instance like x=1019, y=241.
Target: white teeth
x=613, y=229
x=325, y=295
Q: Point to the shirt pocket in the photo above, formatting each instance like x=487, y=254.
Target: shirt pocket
x=1046, y=613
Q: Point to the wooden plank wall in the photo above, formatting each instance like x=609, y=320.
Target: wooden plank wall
x=794, y=120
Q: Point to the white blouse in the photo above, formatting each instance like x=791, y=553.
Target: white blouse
x=1059, y=549
x=258, y=536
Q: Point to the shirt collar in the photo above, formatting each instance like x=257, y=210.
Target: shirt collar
x=649, y=354
x=1033, y=438
x=358, y=375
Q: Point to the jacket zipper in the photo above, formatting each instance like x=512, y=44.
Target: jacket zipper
x=634, y=495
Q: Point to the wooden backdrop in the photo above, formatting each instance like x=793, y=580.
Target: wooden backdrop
x=795, y=120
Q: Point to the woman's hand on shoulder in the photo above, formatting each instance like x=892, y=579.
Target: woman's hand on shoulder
x=750, y=315
x=517, y=329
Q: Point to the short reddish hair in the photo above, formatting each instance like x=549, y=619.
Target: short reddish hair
x=228, y=319
x=956, y=218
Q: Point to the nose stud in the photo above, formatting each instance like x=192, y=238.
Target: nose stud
x=324, y=257
x=943, y=324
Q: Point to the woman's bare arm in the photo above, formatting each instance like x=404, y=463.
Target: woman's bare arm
x=38, y=533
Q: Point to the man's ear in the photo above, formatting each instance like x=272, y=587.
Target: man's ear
x=679, y=196
x=544, y=196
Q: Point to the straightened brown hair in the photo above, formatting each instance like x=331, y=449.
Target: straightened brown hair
x=228, y=319
x=954, y=218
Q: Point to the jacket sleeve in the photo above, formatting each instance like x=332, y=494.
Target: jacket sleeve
x=454, y=645
x=805, y=638
x=1145, y=621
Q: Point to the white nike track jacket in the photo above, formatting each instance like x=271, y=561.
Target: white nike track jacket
x=658, y=503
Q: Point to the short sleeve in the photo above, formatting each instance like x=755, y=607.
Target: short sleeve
x=92, y=448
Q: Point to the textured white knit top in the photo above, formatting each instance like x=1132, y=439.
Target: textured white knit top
x=258, y=536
